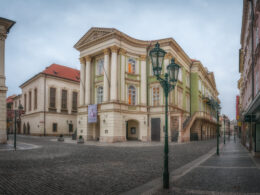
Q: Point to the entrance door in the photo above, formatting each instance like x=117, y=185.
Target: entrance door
x=156, y=123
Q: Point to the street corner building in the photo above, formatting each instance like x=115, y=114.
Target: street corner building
x=50, y=101
x=5, y=26
x=117, y=76
x=248, y=108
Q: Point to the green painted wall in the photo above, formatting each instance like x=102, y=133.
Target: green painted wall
x=194, y=93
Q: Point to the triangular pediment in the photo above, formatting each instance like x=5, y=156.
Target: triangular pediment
x=92, y=35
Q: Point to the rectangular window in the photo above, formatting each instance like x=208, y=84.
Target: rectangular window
x=54, y=127
x=35, y=99
x=75, y=101
x=180, y=74
x=99, y=95
x=156, y=96
x=52, y=97
x=131, y=65
x=30, y=100
x=64, y=99
x=179, y=98
x=188, y=103
x=100, y=66
x=188, y=80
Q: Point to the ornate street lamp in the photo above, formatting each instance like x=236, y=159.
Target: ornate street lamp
x=19, y=112
x=168, y=82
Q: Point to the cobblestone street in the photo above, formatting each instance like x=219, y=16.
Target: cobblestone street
x=65, y=168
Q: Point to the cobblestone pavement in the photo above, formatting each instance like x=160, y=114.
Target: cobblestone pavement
x=235, y=171
x=65, y=168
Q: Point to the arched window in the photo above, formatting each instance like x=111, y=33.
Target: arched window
x=131, y=65
x=100, y=95
x=131, y=95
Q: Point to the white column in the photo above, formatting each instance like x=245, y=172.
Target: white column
x=106, y=76
x=2, y=55
x=143, y=81
x=113, y=89
x=87, y=81
x=122, y=52
x=82, y=81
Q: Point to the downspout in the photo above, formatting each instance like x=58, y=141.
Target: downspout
x=44, y=109
x=252, y=46
x=253, y=64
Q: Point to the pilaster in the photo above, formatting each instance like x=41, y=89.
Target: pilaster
x=143, y=80
x=114, y=69
x=106, y=75
x=82, y=81
x=122, y=53
x=88, y=80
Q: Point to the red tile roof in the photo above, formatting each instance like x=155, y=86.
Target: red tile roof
x=10, y=98
x=63, y=72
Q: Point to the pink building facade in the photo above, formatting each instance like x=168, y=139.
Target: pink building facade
x=249, y=82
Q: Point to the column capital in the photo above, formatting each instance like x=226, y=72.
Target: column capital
x=87, y=58
x=114, y=49
x=142, y=57
x=168, y=56
x=82, y=60
x=106, y=51
x=122, y=51
x=2, y=36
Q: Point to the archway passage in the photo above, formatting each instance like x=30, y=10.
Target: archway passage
x=28, y=128
x=132, y=130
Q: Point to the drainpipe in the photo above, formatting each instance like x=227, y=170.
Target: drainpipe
x=44, y=105
x=253, y=65
x=252, y=47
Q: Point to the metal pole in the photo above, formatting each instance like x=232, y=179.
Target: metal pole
x=224, y=131
x=217, y=134
x=166, y=149
x=14, y=129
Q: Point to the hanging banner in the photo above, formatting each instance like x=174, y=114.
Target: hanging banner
x=237, y=107
x=92, y=113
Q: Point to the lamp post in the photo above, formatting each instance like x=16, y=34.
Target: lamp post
x=19, y=111
x=224, y=129
x=168, y=82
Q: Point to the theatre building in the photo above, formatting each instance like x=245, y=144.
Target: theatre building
x=116, y=74
x=50, y=101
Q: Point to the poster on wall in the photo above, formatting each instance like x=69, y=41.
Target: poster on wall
x=92, y=113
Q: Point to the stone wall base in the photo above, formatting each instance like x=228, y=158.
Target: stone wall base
x=112, y=139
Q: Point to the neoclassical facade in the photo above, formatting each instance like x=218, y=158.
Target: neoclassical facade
x=50, y=101
x=116, y=74
x=5, y=26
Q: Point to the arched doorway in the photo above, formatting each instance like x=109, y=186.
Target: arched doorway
x=28, y=128
x=24, y=128
x=132, y=130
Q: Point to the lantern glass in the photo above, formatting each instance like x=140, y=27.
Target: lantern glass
x=173, y=71
x=157, y=55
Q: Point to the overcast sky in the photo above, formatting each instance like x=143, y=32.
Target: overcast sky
x=46, y=31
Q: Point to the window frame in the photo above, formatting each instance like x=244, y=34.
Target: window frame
x=100, y=93
x=131, y=90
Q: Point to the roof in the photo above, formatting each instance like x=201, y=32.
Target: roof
x=63, y=72
x=10, y=98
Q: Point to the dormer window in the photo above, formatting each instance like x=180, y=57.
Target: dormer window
x=131, y=65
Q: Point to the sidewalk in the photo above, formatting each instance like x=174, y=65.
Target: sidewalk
x=234, y=171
